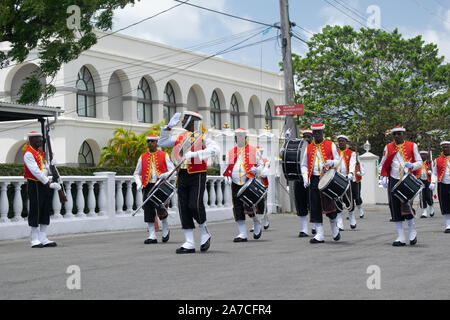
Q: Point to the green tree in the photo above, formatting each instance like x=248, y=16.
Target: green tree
x=365, y=82
x=125, y=148
x=42, y=25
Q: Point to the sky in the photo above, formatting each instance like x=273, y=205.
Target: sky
x=186, y=26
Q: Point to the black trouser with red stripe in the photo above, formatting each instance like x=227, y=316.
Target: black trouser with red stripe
x=443, y=191
x=191, y=188
x=40, y=203
x=395, y=205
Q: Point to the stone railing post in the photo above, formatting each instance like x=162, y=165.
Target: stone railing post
x=110, y=192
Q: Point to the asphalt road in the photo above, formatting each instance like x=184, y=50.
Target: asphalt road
x=117, y=265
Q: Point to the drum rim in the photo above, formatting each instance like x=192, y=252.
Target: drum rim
x=168, y=197
x=334, y=173
x=299, y=165
x=244, y=186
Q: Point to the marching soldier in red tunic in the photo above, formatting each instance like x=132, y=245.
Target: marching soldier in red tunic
x=398, y=157
x=153, y=165
x=320, y=154
x=356, y=183
x=245, y=162
x=38, y=187
x=426, y=199
x=193, y=147
x=441, y=177
x=347, y=167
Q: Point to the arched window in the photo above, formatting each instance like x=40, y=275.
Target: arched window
x=234, y=114
x=169, y=106
x=144, y=102
x=85, y=94
x=215, y=111
x=85, y=156
x=268, y=115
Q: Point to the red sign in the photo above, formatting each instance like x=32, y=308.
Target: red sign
x=288, y=110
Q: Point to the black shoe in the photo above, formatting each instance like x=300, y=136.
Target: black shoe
x=303, y=235
x=257, y=236
x=447, y=230
x=166, y=238
x=338, y=237
x=423, y=217
x=182, y=250
x=266, y=227
x=50, y=244
x=314, y=240
x=313, y=231
x=204, y=247
x=239, y=239
x=413, y=242
x=361, y=216
x=398, y=244
x=432, y=215
x=150, y=241
x=340, y=229
x=40, y=245
x=353, y=227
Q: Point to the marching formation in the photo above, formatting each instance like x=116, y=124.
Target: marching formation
x=326, y=180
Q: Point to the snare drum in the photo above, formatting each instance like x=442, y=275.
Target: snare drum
x=333, y=184
x=252, y=192
x=162, y=194
x=407, y=188
x=292, y=158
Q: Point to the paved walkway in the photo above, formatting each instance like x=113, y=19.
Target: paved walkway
x=117, y=265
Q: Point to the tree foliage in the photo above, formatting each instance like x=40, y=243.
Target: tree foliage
x=125, y=148
x=42, y=25
x=363, y=83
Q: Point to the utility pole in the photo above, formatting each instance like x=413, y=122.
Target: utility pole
x=285, y=26
x=289, y=91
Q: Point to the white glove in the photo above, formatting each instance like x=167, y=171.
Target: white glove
x=358, y=174
x=228, y=180
x=139, y=186
x=191, y=154
x=350, y=176
x=409, y=165
x=55, y=185
x=429, y=172
x=384, y=182
x=53, y=162
x=287, y=134
x=164, y=175
x=329, y=163
x=254, y=170
x=174, y=120
x=306, y=183
x=432, y=186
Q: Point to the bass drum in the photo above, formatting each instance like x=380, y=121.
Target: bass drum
x=291, y=159
x=333, y=184
x=407, y=188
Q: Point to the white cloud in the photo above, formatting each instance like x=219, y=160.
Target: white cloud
x=335, y=17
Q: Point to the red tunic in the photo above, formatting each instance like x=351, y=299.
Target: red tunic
x=346, y=155
x=407, y=149
x=326, y=152
x=159, y=160
x=248, y=155
x=441, y=166
x=39, y=157
x=194, y=165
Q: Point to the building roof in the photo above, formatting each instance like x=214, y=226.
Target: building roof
x=10, y=111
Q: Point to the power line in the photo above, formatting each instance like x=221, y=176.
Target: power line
x=344, y=13
x=229, y=15
x=145, y=19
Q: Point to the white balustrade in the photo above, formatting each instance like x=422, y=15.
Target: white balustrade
x=129, y=197
x=91, y=199
x=101, y=198
x=119, y=197
x=205, y=196
x=212, y=193
x=56, y=205
x=17, y=204
x=219, y=192
x=80, y=199
x=68, y=205
x=4, y=205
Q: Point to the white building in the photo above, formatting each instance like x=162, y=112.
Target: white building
x=133, y=83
